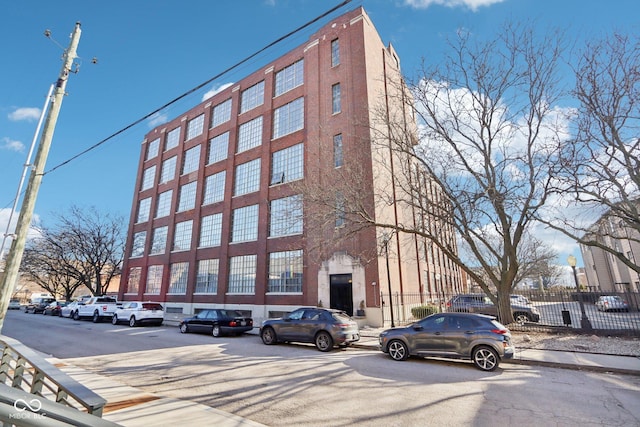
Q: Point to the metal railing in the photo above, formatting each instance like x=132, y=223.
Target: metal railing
x=558, y=309
x=33, y=392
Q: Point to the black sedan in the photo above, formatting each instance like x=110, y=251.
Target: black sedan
x=54, y=308
x=217, y=322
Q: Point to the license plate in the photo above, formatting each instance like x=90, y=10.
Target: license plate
x=242, y=323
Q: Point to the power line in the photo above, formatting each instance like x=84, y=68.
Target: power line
x=200, y=86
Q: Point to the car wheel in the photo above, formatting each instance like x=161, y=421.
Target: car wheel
x=96, y=317
x=75, y=315
x=268, y=336
x=215, y=331
x=485, y=358
x=114, y=320
x=398, y=350
x=521, y=318
x=184, y=328
x=324, y=342
x=132, y=321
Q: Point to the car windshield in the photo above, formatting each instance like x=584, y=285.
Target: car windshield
x=230, y=313
x=341, y=317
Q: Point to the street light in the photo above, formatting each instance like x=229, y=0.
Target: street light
x=584, y=320
x=386, y=239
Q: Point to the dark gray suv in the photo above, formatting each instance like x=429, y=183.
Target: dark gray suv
x=482, y=304
x=454, y=335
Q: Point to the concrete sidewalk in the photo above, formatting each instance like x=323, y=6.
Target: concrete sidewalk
x=131, y=407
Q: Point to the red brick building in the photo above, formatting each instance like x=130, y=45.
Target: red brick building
x=216, y=220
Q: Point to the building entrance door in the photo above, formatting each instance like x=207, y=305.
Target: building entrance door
x=341, y=293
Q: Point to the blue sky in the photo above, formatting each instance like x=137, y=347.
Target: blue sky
x=150, y=52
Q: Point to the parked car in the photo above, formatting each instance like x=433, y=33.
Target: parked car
x=611, y=303
x=217, y=322
x=477, y=337
x=519, y=299
x=14, y=304
x=54, y=308
x=37, y=305
x=69, y=310
x=138, y=312
x=320, y=326
x=482, y=304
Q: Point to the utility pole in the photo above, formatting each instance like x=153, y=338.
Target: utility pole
x=14, y=257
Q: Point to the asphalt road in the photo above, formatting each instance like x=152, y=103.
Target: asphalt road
x=293, y=385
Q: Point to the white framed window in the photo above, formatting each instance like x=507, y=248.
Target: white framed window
x=250, y=134
x=159, y=241
x=252, y=97
x=218, y=148
x=178, y=280
x=336, y=104
x=153, y=148
x=289, y=77
x=133, y=283
x=195, y=127
x=210, y=230
x=286, y=216
x=221, y=113
x=338, y=159
x=285, y=272
x=148, y=177
x=214, y=188
x=168, y=171
x=191, y=160
x=187, y=196
x=340, y=210
x=335, y=52
x=287, y=165
x=173, y=139
x=242, y=274
x=207, y=280
x=247, y=178
x=182, y=236
x=163, y=204
x=288, y=118
x=245, y=224
x=137, y=246
x=144, y=210
x=154, y=279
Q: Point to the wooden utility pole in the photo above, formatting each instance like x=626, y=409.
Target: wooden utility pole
x=14, y=258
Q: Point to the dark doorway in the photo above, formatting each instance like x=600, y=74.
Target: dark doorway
x=341, y=293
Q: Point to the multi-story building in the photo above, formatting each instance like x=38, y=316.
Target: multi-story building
x=604, y=271
x=217, y=218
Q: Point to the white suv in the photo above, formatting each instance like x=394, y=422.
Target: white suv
x=137, y=312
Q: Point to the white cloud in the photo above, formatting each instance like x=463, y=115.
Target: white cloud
x=157, y=119
x=474, y=5
x=29, y=114
x=215, y=89
x=11, y=145
x=4, y=220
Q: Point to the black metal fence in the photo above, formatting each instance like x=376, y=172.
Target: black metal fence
x=559, y=309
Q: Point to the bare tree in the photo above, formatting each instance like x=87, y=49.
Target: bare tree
x=479, y=165
x=84, y=247
x=43, y=263
x=601, y=176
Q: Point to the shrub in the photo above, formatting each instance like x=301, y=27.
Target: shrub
x=423, y=311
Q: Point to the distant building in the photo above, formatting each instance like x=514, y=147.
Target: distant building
x=605, y=272
x=216, y=220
